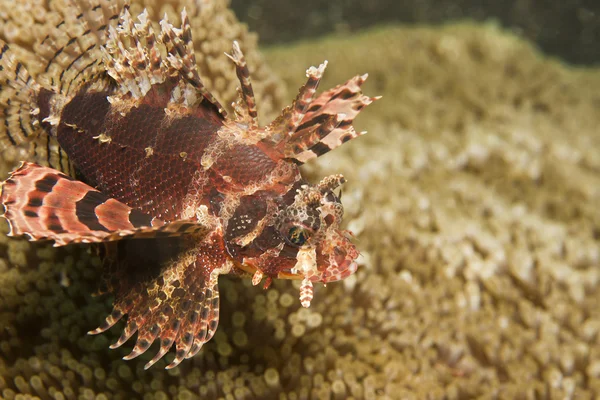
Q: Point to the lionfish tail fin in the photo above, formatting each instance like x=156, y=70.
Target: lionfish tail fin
x=71, y=52
x=311, y=127
x=69, y=59
x=17, y=94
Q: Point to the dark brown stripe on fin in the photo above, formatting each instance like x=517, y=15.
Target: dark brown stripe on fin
x=139, y=219
x=84, y=210
x=46, y=184
x=320, y=148
x=319, y=119
x=54, y=224
x=35, y=202
x=184, y=227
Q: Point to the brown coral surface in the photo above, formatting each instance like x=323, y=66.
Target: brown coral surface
x=474, y=199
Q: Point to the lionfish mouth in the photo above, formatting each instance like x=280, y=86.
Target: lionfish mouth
x=330, y=274
x=338, y=262
x=342, y=263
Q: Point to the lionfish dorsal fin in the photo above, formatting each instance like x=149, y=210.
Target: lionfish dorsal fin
x=133, y=57
x=42, y=203
x=311, y=127
x=245, y=107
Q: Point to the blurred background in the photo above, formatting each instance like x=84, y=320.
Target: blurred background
x=569, y=29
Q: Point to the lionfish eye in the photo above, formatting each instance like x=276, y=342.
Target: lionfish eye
x=298, y=235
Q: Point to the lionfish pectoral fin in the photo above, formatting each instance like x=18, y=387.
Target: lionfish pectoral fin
x=315, y=126
x=43, y=203
x=178, y=306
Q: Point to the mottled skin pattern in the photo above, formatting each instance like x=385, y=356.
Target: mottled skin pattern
x=179, y=191
x=121, y=168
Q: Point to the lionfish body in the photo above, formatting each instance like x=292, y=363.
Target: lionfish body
x=177, y=191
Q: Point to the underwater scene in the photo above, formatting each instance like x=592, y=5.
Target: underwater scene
x=458, y=257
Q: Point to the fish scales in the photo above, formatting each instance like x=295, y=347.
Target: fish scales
x=144, y=163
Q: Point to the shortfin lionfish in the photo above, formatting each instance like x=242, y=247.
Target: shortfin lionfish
x=142, y=160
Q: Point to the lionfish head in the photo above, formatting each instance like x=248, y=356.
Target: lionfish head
x=311, y=224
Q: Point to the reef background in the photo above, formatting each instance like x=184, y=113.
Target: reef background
x=567, y=29
x=474, y=198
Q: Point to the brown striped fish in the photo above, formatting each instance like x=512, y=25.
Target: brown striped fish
x=130, y=151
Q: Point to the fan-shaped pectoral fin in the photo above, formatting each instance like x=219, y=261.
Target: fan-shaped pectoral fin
x=177, y=305
x=43, y=203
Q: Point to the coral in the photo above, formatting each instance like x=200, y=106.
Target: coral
x=472, y=198
x=475, y=197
